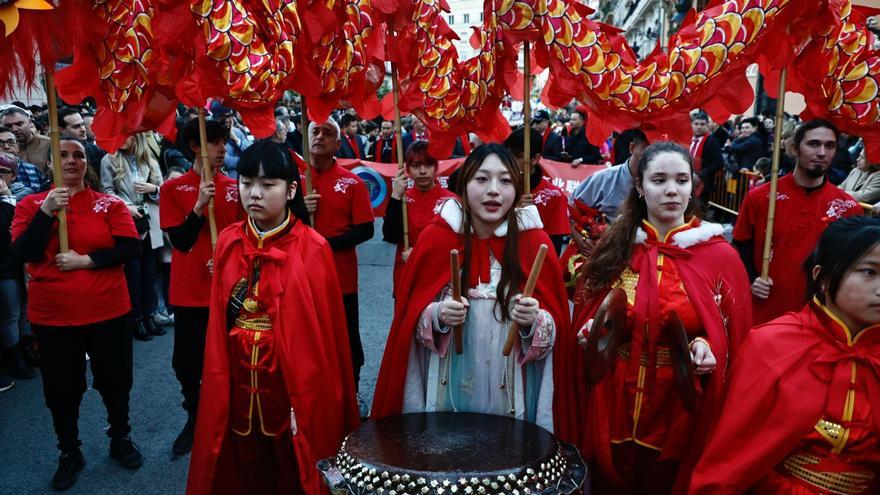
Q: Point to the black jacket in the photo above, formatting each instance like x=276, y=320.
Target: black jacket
x=578, y=146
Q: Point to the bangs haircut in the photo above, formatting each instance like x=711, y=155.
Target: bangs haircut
x=418, y=150
x=842, y=246
x=274, y=159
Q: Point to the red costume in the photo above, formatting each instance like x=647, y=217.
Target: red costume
x=271, y=361
x=427, y=272
x=634, y=417
x=190, y=277
x=421, y=208
x=801, y=217
x=802, y=414
x=552, y=206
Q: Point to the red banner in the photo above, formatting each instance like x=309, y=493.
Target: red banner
x=378, y=176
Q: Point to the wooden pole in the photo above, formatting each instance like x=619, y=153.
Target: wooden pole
x=774, y=176
x=55, y=136
x=455, y=268
x=207, y=174
x=527, y=120
x=398, y=132
x=527, y=292
x=304, y=130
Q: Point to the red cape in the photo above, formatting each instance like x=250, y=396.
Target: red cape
x=701, y=267
x=312, y=348
x=782, y=377
x=426, y=273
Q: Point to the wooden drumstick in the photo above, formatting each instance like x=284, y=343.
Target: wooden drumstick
x=456, y=295
x=527, y=292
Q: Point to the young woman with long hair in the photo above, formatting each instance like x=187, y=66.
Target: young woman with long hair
x=639, y=427
x=498, y=243
x=805, y=386
x=132, y=175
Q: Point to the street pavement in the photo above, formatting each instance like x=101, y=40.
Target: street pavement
x=28, y=456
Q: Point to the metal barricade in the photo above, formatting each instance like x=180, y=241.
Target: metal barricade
x=730, y=190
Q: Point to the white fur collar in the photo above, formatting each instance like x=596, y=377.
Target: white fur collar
x=687, y=238
x=527, y=218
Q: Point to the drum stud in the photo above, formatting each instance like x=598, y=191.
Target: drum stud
x=539, y=486
x=434, y=483
x=486, y=481
x=507, y=486
x=369, y=487
x=360, y=484
x=501, y=478
x=375, y=479
x=494, y=486
x=462, y=481
x=380, y=490
x=411, y=485
x=392, y=492
x=400, y=487
x=446, y=483
x=420, y=481
x=468, y=490
x=454, y=489
x=520, y=483
x=396, y=478
x=515, y=492
x=543, y=466
x=405, y=478
x=530, y=472
x=384, y=475
x=387, y=484
x=440, y=491
x=373, y=472
x=425, y=490
x=481, y=490
x=511, y=477
x=526, y=490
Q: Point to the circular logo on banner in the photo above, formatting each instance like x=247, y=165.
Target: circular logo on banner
x=375, y=184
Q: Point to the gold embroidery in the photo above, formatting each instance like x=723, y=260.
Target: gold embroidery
x=258, y=324
x=628, y=282
x=840, y=483
x=664, y=356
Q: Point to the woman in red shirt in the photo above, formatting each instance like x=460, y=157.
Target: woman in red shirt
x=802, y=414
x=78, y=303
x=641, y=425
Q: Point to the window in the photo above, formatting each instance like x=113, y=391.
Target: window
x=467, y=18
x=451, y=19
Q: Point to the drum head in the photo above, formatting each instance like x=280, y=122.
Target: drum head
x=449, y=453
x=606, y=335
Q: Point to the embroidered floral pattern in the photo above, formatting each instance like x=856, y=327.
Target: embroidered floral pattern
x=102, y=205
x=544, y=197
x=343, y=183
x=186, y=188
x=232, y=193
x=838, y=207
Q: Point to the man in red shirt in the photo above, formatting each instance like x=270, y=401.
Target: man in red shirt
x=183, y=211
x=340, y=203
x=805, y=202
x=551, y=201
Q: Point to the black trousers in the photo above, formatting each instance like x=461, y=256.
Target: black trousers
x=350, y=302
x=63, y=368
x=140, y=274
x=190, y=328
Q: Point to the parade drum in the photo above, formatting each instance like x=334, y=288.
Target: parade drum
x=450, y=453
x=682, y=364
x=606, y=335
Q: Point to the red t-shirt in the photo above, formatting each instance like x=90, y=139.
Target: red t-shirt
x=552, y=206
x=190, y=279
x=77, y=297
x=344, y=203
x=800, y=221
x=420, y=211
